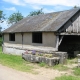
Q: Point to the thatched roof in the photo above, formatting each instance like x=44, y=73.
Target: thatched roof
x=44, y=22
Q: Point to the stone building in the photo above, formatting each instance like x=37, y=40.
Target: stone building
x=57, y=31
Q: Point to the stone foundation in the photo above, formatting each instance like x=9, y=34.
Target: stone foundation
x=18, y=50
x=12, y=50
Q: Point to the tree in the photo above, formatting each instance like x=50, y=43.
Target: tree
x=2, y=16
x=36, y=12
x=76, y=6
x=14, y=18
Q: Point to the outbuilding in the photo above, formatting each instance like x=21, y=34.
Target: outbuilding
x=56, y=31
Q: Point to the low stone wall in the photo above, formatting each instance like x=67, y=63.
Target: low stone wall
x=37, y=59
x=56, y=58
x=62, y=55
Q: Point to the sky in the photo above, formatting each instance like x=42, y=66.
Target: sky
x=26, y=6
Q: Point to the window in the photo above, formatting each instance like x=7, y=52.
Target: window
x=36, y=37
x=12, y=37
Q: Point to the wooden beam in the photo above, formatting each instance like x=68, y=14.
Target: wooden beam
x=57, y=43
x=60, y=40
x=73, y=27
x=69, y=34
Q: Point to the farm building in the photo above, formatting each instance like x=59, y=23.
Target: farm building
x=57, y=31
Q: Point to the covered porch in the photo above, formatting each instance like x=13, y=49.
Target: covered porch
x=69, y=43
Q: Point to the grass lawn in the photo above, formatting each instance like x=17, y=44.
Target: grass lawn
x=76, y=71
x=61, y=67
x=69, y=77
x=15, y=62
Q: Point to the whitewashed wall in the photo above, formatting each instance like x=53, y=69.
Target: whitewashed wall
x=48, y=42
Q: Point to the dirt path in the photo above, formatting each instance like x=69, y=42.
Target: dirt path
x=43, y=74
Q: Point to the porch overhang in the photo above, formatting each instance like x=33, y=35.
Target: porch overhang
x=69, y=33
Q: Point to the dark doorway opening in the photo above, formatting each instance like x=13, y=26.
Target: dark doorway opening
x=70, y=43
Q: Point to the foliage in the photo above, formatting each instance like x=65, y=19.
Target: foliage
x=64, y=77
x=2, y=16
x=14, y=18
x=36, y=12
x=0, y=41
x=76, y=6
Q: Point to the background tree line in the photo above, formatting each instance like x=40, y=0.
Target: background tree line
x=15, y=17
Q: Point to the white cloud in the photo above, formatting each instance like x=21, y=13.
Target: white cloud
x=16, y=2
x=11, y=8
x=48, y=10
x=45, y=2
x=37, y=7
x=54, y=2
x=4, y=25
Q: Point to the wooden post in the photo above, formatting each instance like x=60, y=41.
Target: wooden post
x=57, y=43
x=22, y=39
x=77, y=27
x=73, y=27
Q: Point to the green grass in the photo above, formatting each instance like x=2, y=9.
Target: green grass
x=76, y=71
x=42, y=64
x=15, y=62
x=72, y=61
x=69, y=77
x=60, y=67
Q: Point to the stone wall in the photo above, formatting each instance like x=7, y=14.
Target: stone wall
x=38, y=59
x=50, y=59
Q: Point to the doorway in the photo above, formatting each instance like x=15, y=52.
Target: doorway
x=70, y=43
